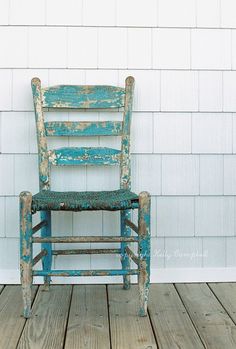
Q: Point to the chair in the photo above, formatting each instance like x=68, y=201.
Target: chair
x=45, y=201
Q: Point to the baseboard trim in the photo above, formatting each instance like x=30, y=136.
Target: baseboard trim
x=162, y=275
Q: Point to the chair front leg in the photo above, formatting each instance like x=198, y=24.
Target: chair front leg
x=26, y=252
x=144, y=250
x=47, y=259
x=125, y=260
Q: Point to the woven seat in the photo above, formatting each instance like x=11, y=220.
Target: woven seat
x=121, y=199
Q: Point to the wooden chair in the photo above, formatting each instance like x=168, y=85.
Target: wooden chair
x=45, y=201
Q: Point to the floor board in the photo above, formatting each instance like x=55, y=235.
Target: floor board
x=46, y=327
x=171, y=322
x=128, y=331
x=186, y=316
x=212, y=322
x=11, y=320
x=88, y=325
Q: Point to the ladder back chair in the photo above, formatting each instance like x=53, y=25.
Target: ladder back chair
x=46, y=200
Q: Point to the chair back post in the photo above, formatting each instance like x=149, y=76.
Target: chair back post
x=44, y=173
x=125, y=167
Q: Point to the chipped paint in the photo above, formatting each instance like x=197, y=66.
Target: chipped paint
x=84, y=156
x=84, y=97
x=26, y=250
x=99, y=272
x=83, y=128
x=144, y=250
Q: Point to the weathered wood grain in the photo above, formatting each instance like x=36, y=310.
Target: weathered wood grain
x=83, y=128
x=47, y=325
x=11, y=320
x=171, y=323
x=226, y=294
x=85, y=239
x=128, y=331
x=88, y=325
x=83, y=96
x=212, y=322
x=84, y=156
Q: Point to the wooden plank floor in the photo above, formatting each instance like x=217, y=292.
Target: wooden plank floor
x=181, y=316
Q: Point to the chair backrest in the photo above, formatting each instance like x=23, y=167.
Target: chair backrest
x=83, y=97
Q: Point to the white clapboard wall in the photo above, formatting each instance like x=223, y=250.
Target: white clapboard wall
x=182, y=54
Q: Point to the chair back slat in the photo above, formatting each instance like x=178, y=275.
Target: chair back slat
x=84, y=128
x=72, y=156
x=84, y=97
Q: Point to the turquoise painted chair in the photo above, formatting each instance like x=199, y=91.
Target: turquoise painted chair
x=45, y=201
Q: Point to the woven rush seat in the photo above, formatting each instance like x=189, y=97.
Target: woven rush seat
x=47, y=200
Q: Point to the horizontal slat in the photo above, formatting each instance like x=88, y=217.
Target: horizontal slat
x=83, y=239
x=83, y=128
x=39, y=226
x=102, y=272
x=131, y=225
x=86, y=251
x=84, y=156
x=71, y=96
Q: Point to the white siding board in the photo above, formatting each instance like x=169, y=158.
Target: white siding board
x=146, y=173
x=139, y=51
x=27, y=12
x=141, y=133
x=211, y=49
x=112, y=49
x=210, y=91
x=22, y=94
x=173, y=13
x=208, y=13
x=180, y=175
x=171, y=48
x=136, y=13
x=15, y=132
x=59, y=12
x=211, y=175
x=6, y=89
x=214, y=252
x=12, y=217
x=214, y=216
x=11, y=38
x=183, y=252
x=211, y=133
x=179, y=91
x=172, y=133
x=175, y=216
x=6, y=174
x=53, y=54
x=147, y=88
x=88, y=40
x=2, y=216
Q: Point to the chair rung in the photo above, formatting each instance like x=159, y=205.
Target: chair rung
x=39, y=226
x=84, y=239
x=39, y=256
x=131, y=225
x=131, y=254
x=87, y=251
x=98, y=272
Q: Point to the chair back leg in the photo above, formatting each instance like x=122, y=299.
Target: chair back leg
x=47, y=246
x=26, y=250
x=125, y=260
x=144, y=250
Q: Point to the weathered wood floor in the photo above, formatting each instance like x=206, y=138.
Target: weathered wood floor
x=186, y=316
